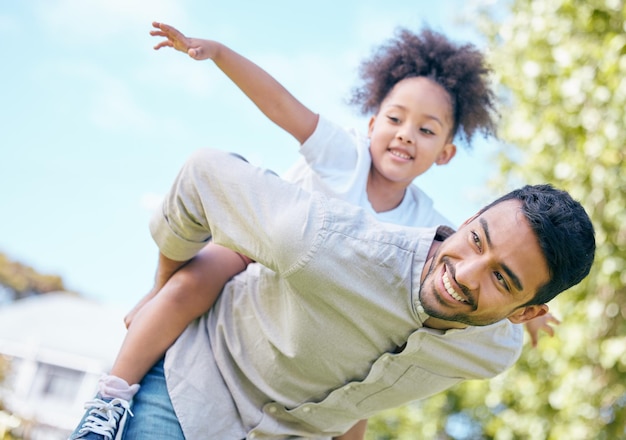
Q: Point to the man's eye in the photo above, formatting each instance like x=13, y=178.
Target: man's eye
x=502, y=280
x=476, y=240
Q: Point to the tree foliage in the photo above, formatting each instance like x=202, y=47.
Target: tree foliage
x=23, y=280
x=560, y=66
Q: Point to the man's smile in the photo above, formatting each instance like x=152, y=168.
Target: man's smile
x=450, y=289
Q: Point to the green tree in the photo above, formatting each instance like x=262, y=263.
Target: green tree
x=23, y=280
x=561, y=67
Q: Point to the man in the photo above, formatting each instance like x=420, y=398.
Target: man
x=344, y=316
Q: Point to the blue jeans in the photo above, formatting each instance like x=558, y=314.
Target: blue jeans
x=154, y=416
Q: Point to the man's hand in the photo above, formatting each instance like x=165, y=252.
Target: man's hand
x=539, y=323
x=196, y=48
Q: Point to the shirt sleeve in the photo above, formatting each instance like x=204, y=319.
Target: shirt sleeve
x=331, y=149
x=217, y=196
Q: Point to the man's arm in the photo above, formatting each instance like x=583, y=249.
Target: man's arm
x=280, y=106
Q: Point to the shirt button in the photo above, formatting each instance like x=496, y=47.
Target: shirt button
x=385, y=358
x=272, y=409
x=348, y=387
x=418, y=306
x=252, y=435
x=306, y=409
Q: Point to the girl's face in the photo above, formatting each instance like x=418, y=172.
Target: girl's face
x=411, y=131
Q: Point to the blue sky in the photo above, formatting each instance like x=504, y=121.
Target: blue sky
x=94, y=123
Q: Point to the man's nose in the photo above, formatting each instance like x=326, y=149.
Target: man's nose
x=469, y=272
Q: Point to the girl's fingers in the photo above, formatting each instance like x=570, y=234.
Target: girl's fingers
x=166, y=43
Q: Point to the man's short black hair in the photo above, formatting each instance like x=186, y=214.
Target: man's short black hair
x=564, y=232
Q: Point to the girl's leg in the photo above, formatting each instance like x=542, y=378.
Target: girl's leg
x=187, y=295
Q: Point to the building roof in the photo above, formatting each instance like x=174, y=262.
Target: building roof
x=62, y=329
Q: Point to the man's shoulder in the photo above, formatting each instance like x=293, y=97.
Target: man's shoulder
x=501, y=342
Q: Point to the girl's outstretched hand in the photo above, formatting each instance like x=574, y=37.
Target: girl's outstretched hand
x=545, y=323
x=196, y=48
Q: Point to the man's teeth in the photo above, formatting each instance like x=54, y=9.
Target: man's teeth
x=450, y=290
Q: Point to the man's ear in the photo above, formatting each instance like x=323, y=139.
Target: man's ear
x=446, y=155
x=525, y=314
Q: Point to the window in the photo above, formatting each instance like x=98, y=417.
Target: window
x=57, y=383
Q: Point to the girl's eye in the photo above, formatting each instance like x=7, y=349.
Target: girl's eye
x=393, y=119
x=427, y=131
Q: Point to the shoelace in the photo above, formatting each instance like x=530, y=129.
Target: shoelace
x=103, y=417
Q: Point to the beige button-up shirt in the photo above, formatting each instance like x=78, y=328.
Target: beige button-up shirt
x=328, y=331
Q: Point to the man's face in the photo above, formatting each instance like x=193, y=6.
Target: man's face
x=486, y=270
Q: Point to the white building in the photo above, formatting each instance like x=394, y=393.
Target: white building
x=58, y=345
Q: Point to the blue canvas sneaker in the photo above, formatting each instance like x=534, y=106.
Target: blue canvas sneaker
x=104, y=419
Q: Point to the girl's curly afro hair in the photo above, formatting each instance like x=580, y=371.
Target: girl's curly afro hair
x=460, y=69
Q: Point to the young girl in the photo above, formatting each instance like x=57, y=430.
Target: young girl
x=422, y=91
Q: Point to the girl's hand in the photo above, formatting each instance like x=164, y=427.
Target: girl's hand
x=196, y=48
x=545, y=323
